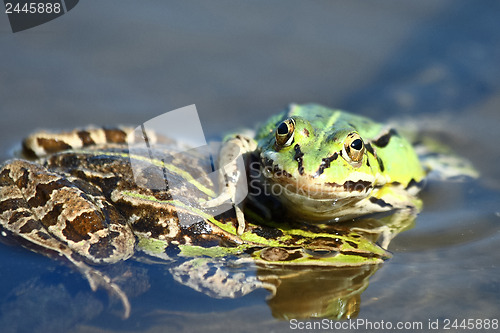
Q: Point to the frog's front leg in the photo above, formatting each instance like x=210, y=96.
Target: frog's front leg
x=230, y=173
x=60, y=215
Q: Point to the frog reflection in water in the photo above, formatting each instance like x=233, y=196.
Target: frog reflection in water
x=80, y=200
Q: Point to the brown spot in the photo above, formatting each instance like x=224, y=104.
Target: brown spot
x=115, y=135
x=414, y=183
x=29, y=226
x=358, y=186
x=306, y=132
x=79, y=228
x=298, y=157
x=12, y=204
x=85, y=137
x=44, y=191
x=51, y=217
x=354, y=245
x=22, y=181
x=380, y=202
x=280, y=173
x=113, y=215
x=86, y=187
x=384, y=139
x=19, y=215
x=325, y=243
x=150, y=223
x=52, y=145
x=43, y=235
x=321, y=253
x=104, y=248
x=380, y=164
x=325, y=163
x=268, y=233
x=5, y=179
x=274, y=254
x=369, y=148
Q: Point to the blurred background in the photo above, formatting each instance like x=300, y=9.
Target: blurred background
x=239, y=62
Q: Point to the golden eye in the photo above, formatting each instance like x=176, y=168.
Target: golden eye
x=354, y=147
x=284, y=132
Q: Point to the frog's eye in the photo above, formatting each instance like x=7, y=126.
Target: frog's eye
x=284, y=132
x=354, y=148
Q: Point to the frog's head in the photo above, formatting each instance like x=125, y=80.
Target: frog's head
x=315, y=154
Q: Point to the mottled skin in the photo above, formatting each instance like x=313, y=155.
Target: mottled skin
x=321, y=133
x=79, y=199
x=329, y=165
x=82, y=201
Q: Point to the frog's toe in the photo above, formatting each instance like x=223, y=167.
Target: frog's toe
x=240, y=217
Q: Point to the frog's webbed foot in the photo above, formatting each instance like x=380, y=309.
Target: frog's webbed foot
x=225, y=196
x=228, y=194
x=240, y=217
x=231, y=173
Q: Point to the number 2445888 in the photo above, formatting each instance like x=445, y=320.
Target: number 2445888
x=33, y=8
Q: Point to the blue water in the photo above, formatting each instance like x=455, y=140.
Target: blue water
x=239, y=62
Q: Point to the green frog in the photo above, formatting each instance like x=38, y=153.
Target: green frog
x=328, y=165
x=79, y=198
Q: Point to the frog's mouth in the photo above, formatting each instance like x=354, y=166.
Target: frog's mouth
x=312, y=201
x=308, y=186
x=310, y=197
x=357, y=186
